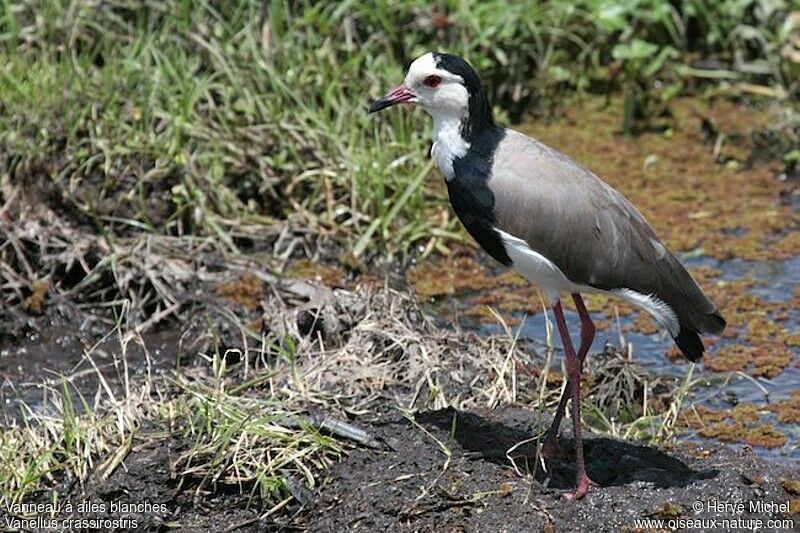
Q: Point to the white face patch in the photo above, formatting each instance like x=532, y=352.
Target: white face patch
x=449, y=98
x=447, y=104
x=423, y=66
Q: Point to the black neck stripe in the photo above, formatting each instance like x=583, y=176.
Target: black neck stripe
x=480, y=112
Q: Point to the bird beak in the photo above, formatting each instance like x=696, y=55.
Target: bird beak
x=398, y=95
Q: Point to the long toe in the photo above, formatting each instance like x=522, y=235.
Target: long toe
x=584, y=483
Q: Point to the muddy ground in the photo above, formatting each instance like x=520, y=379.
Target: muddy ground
x=433, y=467
x=450, y=471
x=417, y=486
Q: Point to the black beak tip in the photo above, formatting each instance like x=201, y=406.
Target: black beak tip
x=377, y=105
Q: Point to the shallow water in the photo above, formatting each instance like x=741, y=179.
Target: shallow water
x=716, y=390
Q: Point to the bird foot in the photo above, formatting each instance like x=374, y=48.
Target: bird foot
x=583, y=488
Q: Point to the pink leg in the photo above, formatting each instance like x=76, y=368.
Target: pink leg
x=574, y=372
x=550, y=446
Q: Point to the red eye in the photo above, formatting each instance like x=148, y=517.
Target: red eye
x=432, y=81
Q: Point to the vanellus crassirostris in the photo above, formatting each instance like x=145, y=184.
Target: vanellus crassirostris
x=559, y=225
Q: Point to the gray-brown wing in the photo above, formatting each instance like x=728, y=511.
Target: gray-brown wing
x=589, y=230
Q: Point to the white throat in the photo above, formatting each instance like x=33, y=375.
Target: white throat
x=448, y=144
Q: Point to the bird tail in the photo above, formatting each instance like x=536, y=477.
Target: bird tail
x=696, y=313
x=688, y=338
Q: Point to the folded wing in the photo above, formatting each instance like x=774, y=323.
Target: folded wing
x=593, y=234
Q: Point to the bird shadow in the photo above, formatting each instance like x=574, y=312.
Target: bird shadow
x=609, y=462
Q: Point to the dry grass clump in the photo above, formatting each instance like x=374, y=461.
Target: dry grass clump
x=382, y=344
x=267, y=424
x=65, y=436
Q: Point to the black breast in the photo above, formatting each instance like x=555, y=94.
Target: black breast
x=471, y=197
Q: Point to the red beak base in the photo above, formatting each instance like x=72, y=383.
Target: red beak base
x=398, y=95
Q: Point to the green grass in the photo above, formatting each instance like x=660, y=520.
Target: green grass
x=205, y=118
x=220, y=122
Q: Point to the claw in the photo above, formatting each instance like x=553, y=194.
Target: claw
x=583, y=488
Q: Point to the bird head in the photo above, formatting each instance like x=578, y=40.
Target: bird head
x=445, y=86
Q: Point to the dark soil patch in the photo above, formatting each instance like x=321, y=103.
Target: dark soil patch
x=147, y=495
x=411, y=484
x=415, y=486
x=46, y=351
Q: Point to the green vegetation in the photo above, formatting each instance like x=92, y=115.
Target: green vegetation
x=198, y=117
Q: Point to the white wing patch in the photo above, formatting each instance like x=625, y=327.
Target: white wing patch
x=663, y=313
x=538, y=269
x=541, y=271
